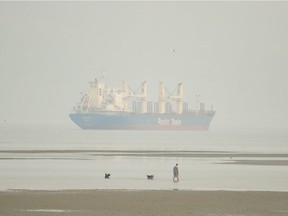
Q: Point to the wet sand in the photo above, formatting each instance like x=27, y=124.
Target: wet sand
x=133, y=203
x=275, y=159
x=20, y=154
x=260, y=162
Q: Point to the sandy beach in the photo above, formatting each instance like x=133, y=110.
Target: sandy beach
x=221, y=174
x=132, y=203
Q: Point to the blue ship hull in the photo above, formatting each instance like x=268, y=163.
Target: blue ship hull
x=136, y=121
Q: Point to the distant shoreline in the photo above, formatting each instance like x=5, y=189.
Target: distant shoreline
x=143, y=202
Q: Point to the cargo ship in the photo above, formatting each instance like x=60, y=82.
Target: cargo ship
x=105, y=108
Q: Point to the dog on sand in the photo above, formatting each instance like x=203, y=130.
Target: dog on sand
x=150, y=177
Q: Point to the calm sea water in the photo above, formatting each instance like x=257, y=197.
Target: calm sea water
x=48, y=158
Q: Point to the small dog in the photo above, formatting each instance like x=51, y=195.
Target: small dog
x=107, y=175
x=150, y=177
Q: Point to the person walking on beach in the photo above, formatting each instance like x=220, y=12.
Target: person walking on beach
x=175, y=173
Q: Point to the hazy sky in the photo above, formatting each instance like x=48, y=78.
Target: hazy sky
x=234, y=54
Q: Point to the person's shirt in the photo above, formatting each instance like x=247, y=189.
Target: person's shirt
x=175, y=169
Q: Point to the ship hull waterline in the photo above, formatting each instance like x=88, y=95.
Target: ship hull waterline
x=112, y=121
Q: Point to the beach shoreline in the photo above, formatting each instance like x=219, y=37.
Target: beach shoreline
x=142, y=202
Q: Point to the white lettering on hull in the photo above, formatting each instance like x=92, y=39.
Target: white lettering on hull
x=169, y=122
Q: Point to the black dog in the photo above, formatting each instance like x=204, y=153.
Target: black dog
x=107, y=175
x=150, y=177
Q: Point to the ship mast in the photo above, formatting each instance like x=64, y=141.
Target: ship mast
x=142, y=97
x=125, y=91
x=178, y=98
x=163, y=98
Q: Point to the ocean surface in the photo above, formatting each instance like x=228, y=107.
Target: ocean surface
x=54, y=158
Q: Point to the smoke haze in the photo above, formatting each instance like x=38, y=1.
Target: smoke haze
x=234, y=54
